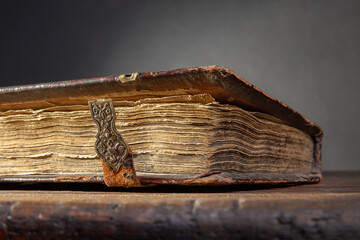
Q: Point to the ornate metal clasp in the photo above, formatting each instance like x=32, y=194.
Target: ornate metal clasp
x=109, y=144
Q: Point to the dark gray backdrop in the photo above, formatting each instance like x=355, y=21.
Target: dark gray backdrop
x=305, y=53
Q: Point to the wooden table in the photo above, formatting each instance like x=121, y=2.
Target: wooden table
x=329, y=210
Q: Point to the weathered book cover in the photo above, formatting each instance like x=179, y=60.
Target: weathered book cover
x=195, y=126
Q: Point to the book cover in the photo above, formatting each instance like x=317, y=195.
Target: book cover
x=194, y=126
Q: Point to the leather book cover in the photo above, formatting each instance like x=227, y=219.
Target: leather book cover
x=192, y=126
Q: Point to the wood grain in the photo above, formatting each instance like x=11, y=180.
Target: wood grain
x=328, y=210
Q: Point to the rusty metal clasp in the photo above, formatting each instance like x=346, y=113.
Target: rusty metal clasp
x=109, y=145
x=116, y=155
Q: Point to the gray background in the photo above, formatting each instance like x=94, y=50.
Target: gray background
x=304, y=53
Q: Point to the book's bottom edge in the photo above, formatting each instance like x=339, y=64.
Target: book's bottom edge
x=209, y=179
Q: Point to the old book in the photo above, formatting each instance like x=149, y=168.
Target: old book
x=196, y=126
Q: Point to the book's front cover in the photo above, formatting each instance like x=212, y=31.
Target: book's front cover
x=222, y=84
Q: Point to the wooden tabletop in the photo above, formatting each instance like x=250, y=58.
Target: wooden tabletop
x=328, y=210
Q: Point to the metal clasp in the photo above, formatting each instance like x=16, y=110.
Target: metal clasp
x=128, y=77
x=110, y=146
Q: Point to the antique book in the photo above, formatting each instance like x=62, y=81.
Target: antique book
x=195, y=126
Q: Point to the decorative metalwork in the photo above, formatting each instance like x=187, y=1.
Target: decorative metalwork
x=109, y=145
x=123, y=78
